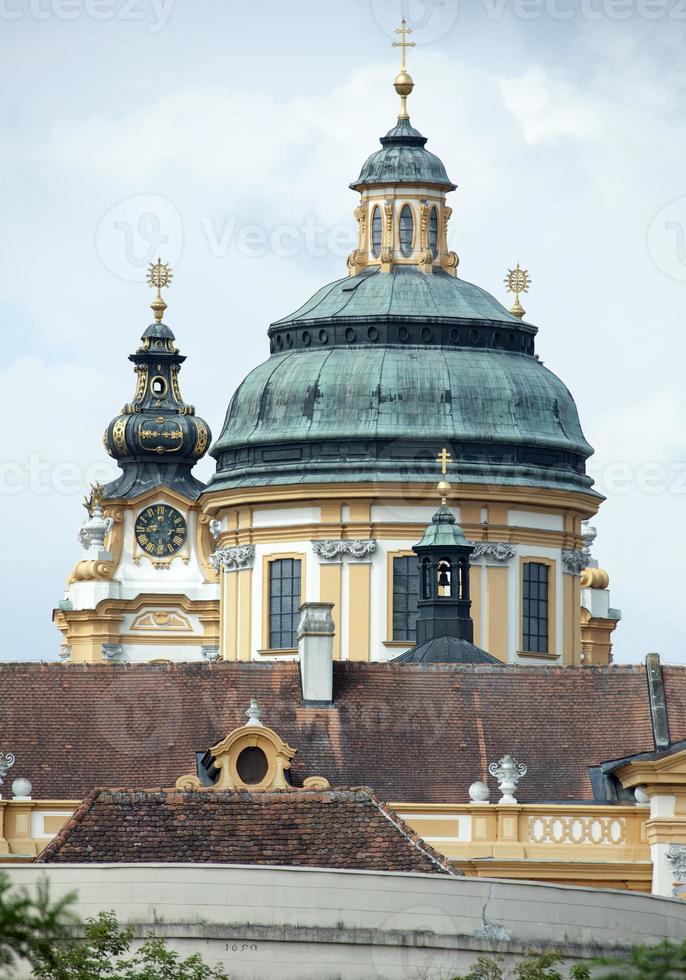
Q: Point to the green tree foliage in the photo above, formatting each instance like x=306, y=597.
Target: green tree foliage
x=30, y=925
x=664, y=962
x=667, y=961
x=104, y=953
x=536, y=966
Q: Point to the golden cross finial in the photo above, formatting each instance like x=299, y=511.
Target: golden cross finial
x=517, y=281
x=443, y=458
x=403, y=82
x=403, y=43
x=159, y=277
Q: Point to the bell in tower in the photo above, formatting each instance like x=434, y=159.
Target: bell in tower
x=445, y=631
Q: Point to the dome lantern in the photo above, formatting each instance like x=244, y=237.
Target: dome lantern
x=402, y=216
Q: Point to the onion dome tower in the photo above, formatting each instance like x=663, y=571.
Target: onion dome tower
x=144, y=589
x=157, y=438
x=445, y=631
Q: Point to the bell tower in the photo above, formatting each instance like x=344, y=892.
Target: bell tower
x=144, y=588
x=445, y=631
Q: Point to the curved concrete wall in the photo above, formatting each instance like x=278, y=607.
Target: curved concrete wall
x=295, y=923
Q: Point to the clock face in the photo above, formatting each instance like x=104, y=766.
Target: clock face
x=160, y=530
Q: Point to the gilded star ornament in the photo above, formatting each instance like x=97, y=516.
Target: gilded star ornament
x=159, y=277
x=517, y=281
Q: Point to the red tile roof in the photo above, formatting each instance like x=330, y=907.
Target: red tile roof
x=340, y=828
x=414, y=733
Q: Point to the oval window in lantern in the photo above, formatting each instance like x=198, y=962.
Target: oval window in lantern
x=433, y=232
x=406, y=232
x=376, y=233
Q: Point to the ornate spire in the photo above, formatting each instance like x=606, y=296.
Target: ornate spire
x=403, y=81
x=157, y=438
x=517, y=281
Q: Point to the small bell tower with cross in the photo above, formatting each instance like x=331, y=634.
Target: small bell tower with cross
x=445, y=631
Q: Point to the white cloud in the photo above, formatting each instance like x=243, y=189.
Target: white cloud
x=549, y=109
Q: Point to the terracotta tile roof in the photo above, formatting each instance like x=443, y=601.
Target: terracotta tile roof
x=675, y=694
x=342, y=828
x=414, y=733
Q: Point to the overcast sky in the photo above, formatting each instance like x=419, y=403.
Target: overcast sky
x=225, y=134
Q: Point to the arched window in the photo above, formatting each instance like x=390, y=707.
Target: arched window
x=376, y=233
x=433, y=232
x=406, y=230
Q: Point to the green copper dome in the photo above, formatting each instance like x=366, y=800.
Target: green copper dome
x=367, y=383
x=403, y=159
x=406, y=293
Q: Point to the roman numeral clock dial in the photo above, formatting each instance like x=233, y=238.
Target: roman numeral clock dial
x=161, y=531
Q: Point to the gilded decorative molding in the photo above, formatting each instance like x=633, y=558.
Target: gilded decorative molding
x=334, y=550
x=162, y=619
x=575, y=560
x=233, y=559
x=497, y=551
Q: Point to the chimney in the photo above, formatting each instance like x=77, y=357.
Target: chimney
x=315, y=649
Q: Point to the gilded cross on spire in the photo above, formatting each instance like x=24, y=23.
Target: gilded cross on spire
x=403, y=43
x=403, y=81
x=443, y=458
x=159, y=277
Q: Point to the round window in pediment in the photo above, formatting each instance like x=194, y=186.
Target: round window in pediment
x=252, y=765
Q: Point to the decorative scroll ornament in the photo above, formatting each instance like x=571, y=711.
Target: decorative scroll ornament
x=6, y=762
x=112, y=651
x=676, y=855
x=336, y=550
x=574, y=561
x=508, y=772
x=497, y=551
x=233, y=559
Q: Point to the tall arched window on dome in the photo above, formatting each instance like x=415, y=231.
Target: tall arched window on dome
x=433, y=232
x=406, y=230
x=376, y=233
